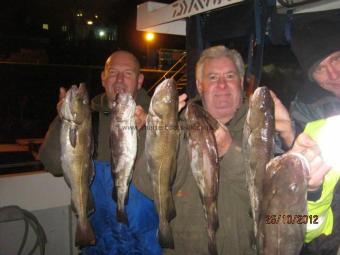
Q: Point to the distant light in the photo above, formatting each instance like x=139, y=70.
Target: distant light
x=79, y=14
x=89, y=22
x=64, y=28
x=149, y=37
x=101, y=33
x=96, y=16
x=45, y=26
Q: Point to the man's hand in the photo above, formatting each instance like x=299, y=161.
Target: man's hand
x=181, y=101
x=283, y=123
x=305, y=145
x=62, y=95
x=223, y=140
x=140, y=117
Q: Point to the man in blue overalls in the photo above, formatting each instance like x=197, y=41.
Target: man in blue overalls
x=121, y=74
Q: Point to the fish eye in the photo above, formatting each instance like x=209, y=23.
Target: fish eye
x=293, y=187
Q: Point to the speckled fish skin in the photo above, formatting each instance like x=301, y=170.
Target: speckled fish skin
x=204, y=163
x=258, y=146
x=285, y=194
x=123, y=144
x=161, y=146
x=75, y=139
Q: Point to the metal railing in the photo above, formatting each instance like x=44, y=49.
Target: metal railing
x=174, y=70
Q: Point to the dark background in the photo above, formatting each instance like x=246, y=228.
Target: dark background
x=35, y=62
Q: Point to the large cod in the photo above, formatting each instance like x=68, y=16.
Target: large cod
x=204, y=164
x=258, y=146
x=75, y=140
x=123, y=145
x=281, y=226
x=161, y=148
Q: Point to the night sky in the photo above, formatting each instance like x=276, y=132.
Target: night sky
x=23, y=19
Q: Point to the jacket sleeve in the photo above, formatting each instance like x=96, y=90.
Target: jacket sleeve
x=300, y=115
x=49, y=153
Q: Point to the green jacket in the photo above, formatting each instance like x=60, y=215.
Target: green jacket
x=189, y=225
x=322, y=207
x=311, y=105
x=49, y=153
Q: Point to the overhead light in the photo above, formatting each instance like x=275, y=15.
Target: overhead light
x=96, y=16
x=89, y=22
x=101, y=33
x=149, y=37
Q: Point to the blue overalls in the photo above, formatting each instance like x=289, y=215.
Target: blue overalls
x=113, y=238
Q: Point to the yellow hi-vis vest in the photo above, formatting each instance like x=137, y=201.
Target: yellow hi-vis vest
x=322, y=207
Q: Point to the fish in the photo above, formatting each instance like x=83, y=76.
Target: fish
x=123, y=146
x=76, y=151
x=258, y=147
x=161, y=146
x=203, y=155
x=281, y=231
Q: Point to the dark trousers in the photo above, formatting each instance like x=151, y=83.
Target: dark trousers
x=327, y=245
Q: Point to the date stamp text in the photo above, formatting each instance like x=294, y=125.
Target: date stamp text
x=291, y=219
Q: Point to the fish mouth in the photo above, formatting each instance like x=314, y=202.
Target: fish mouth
x=73, y=91
x=119, y=88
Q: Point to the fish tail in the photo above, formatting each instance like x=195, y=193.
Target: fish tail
x=90, y=204
x=212, y=235
x=122, y=217
x=212, y=246
x=165, y=237
x=84, y=234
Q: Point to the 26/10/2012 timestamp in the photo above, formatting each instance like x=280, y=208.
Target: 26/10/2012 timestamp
x=291, y=219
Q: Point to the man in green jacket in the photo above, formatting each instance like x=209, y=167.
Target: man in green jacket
x=121, y=74
x=320, y=99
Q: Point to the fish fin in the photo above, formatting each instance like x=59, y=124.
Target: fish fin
x=91, y=172
x=122, y=217
x=172, y=210
x=90, y=204
x=85, y=235
x=73, y=207
x=165, y=237
x=114, y=194
x=73, y=136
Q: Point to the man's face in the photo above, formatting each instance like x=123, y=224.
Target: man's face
x=220, y=87
x=327, y=73
x=121, y=75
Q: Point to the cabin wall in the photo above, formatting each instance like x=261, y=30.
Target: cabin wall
x=48, y=198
